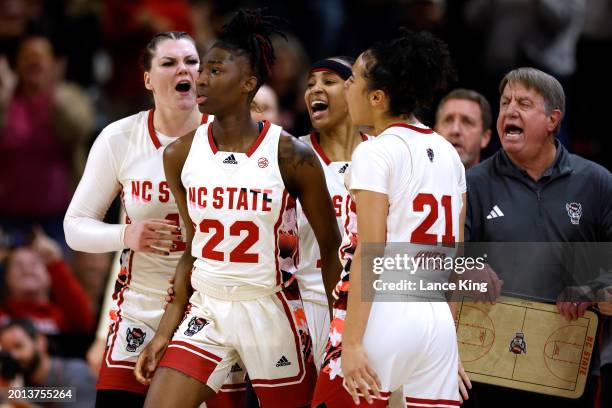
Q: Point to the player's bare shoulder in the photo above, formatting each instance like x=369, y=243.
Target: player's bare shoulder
x=296, y=160
x=294, y=154
x=176, y=152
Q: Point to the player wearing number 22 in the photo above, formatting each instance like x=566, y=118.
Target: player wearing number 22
x=409, y=186
x=126, y=159
x=236, y=182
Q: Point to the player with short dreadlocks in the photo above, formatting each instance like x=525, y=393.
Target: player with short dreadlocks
x=236, y=182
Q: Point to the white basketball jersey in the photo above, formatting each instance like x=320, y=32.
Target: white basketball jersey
x=309, y=265
x=145, y=194
x=425, y=182
x=239, y=205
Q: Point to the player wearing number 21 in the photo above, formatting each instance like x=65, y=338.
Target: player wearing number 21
x=127, y=159
x=409, y=186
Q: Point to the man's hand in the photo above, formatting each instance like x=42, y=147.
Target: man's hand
x=485, y=276
x=570, y=304
x=359, y=376
x=148, y=360
x=605, y=308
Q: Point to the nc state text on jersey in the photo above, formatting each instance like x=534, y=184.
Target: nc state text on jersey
x=231, y=198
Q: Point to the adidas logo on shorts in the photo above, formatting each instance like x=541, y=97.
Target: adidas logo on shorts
x=283, y=362
x=230, y=159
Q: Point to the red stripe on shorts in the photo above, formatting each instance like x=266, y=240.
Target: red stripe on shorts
x=432, y=402
x=188, y=362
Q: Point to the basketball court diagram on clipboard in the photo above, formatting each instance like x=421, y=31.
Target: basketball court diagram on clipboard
x=525, y=345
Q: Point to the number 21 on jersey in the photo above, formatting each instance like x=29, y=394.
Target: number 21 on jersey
x=421, y=203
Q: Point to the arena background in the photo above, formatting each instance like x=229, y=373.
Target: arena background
x=97, y=78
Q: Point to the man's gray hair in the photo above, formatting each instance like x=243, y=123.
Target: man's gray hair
x=546, y=85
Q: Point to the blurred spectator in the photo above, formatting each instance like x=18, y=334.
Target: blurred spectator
x=92, y=271
x=14, y=18
x=288, y=80
x=543, y=31
x=265, y=105
x=538, y=33
x=317, y=23
x=50, y=296
x=29, y=347
x=592, y=84
x=43, y=124
x=464, y=119
x=425, y=15
x=10, y=377
x=208, y=17
x=80, y=24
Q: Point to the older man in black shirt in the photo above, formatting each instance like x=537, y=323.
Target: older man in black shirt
x=534, y=190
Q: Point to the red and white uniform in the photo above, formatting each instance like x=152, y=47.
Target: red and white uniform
x=126, y=159
x=309, y=265
x=417, y=169
x=246, y=306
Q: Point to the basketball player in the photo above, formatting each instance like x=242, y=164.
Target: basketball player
x=126, y=159
x=333, y=140
x=234, y=181
x=409, y=186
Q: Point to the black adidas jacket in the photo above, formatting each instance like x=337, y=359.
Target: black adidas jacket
x=572, y=202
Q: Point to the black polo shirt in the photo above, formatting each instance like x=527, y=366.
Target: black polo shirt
x=571, y=202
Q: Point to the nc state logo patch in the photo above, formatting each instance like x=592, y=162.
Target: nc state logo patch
x=518, y=345
x=195, y=325
x=134, y=337
x=574, y=210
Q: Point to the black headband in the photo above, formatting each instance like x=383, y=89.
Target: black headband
x=336, y=67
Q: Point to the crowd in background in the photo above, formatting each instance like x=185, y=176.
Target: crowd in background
x=68, y=68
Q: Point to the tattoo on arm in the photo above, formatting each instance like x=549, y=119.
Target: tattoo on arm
x=295, y=154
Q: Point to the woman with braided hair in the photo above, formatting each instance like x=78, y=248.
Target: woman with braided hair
x=236, y=182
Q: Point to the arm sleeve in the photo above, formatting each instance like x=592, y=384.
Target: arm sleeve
x=83, y=226
x=70, y=297
x=371, y=168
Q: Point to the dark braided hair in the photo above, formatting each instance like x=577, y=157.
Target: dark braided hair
x=149, y=51
x=410, y=69
x=248, y=34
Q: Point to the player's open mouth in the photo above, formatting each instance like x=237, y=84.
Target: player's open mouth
x=318, y=108
x=200, y=99
x=183, y=86
x=512, y=132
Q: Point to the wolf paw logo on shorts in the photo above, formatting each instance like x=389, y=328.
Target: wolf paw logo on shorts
x=195, y=325
x=135, y=337
x=518, y=345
